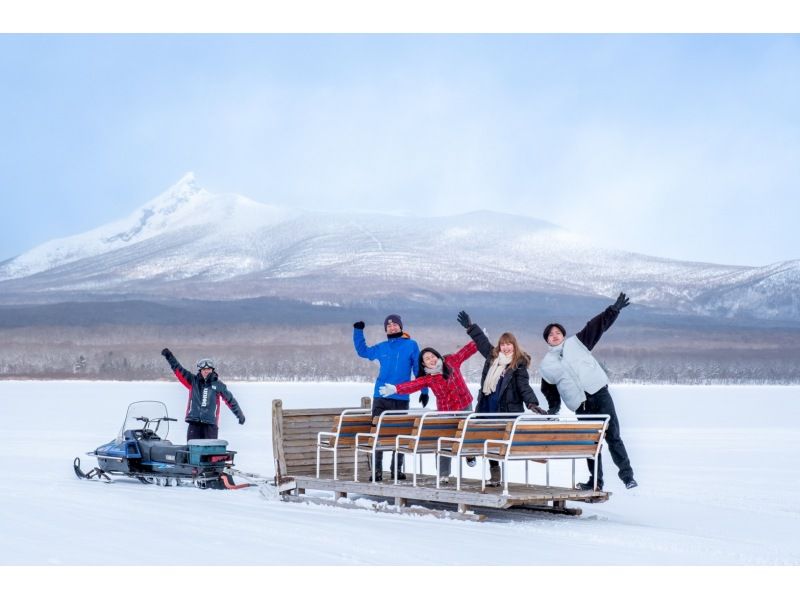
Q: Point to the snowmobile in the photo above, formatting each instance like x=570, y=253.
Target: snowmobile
x=140, y=452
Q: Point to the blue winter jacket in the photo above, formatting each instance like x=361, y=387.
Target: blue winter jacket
x=398, y=357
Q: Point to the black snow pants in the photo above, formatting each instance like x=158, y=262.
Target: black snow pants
x=601, y=403
x=379, y=405
x=201, y=431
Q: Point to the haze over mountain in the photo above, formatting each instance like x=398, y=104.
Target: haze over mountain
x=188, y=243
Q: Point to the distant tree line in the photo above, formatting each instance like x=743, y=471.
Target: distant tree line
x=325, y=353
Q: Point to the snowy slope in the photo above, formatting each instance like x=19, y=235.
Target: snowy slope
x=184, y=238
x=715, y=465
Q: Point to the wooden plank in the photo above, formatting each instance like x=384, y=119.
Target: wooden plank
x=277, y=437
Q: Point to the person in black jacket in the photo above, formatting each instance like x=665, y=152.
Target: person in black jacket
x=505, y=383
x=206, y=391
x=572, y=374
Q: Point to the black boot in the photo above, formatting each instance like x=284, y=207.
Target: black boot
x=589, y=485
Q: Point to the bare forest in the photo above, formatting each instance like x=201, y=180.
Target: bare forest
x=270, y=352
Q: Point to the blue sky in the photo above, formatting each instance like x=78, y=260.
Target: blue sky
x=680, y=146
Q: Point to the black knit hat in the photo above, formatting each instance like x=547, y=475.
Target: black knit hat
x=392, y=318
x=549, y=327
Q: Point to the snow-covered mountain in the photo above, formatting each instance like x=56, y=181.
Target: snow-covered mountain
x=190, y=243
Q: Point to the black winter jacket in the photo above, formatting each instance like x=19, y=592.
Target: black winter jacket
x=589, y=336
x=204, y=394
x=515, y=386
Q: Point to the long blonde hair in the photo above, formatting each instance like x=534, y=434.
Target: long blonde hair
x=519, y=357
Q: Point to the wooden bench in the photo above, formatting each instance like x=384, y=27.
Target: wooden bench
x=473, y=432
x=385, y=429
x=542, y=438
x=424, y=437
x=343, y=435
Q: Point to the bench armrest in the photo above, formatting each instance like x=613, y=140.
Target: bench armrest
x=399, y=436
x=370, y=434
x=451, y=440
x=486, y=444
x=321, y=434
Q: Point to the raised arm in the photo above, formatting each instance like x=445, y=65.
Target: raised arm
x=360, y=343
x=463, y=354
x=595, y=327
x=181, y=373
x=476, y=334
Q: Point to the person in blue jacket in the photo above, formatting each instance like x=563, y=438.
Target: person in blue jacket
x=398, y=357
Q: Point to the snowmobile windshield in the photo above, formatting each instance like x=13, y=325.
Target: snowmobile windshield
x=146, y=415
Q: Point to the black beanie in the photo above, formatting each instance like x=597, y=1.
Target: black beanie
x=549, y=327
x=392, y=318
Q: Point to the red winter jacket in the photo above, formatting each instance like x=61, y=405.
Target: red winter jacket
x=451, y=394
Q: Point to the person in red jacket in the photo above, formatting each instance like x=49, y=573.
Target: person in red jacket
x=443, y=376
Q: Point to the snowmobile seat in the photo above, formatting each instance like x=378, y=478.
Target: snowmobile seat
x=162, y=451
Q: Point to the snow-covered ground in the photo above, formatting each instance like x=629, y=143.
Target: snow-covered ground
x=717, y=468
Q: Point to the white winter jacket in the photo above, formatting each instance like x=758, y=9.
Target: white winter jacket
x=573, y=370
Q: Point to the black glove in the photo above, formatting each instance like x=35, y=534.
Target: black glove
x=241, y=419
x=553, y=411
x=622, y=301
x=359, y=325
x=536, y=409
x=463, y=319
x=166, y=352
x=423, y=399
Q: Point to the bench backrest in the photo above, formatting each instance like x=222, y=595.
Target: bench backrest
x=431, y=426
x=545, y=436
x=348, y=424
x=478, y=428
x=390, y=424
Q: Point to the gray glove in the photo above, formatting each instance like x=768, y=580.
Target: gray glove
x=536, y=409
x=241, y=419
x=387, y=389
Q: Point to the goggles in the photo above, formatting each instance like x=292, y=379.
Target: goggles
x=205, y=363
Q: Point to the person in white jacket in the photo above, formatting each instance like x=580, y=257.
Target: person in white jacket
x=571, y=373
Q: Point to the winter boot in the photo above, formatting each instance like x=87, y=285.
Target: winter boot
x=494, y=475
x=589, y=485
x=631, y=484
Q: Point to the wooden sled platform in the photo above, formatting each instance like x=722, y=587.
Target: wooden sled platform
x=294, y=444
x=407, y=498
